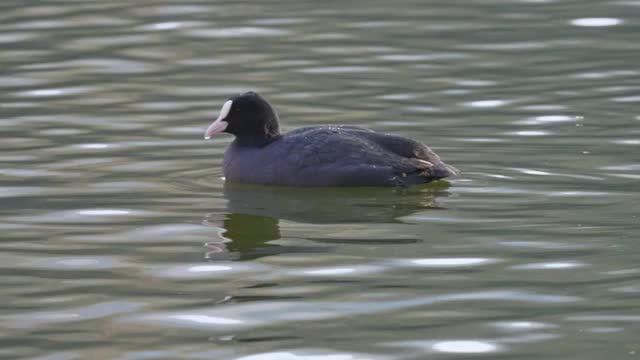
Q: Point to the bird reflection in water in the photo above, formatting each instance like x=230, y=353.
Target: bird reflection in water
x=252, y=222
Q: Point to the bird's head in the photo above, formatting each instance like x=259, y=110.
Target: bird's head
x=249, y=117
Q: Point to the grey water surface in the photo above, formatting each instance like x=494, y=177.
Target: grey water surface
x=120, y=239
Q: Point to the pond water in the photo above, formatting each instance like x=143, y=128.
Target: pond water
x=121, y=240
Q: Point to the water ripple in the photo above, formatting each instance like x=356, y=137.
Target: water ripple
x=307, y=355
x=237, y=32
x=464, y=347
x=596, y=22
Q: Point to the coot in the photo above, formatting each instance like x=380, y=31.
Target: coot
x=331, y=155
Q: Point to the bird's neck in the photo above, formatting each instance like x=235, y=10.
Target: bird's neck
x=260, y=133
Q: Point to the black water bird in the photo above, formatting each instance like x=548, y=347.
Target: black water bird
x=331, y=155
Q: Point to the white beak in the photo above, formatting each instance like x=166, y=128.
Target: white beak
x=219, y=125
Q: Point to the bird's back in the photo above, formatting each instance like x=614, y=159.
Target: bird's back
x=335, y=156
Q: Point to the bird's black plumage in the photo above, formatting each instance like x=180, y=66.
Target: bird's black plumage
x=333, y=155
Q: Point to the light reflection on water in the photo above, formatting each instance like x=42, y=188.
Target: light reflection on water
x=120, y=238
